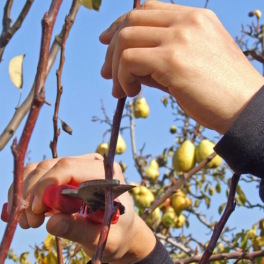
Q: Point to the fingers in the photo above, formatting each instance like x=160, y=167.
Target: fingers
x=75, y=228
x=108, y=34
x=133, y=63
x=69, y=171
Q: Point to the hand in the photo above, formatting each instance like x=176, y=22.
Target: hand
x=126, y=240
x=185, y=52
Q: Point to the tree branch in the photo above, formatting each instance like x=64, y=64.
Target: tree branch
x=19, y=150
x=230, y=207
x=224, y=256
x=186, y=176
x=108, y=165
x=21, y=111
x=8, y=32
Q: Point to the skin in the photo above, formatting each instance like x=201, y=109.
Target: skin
x=180, y=50
x=185, y=52
x=73, y=171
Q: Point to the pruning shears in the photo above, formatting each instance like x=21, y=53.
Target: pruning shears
x=88, y=199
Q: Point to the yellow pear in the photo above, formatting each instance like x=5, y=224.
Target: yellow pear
x=169, y=217
x=154, y=218
x=180, y=221
x=203, y=150
x=121, y=145
x=141, y=108
x=258, y=14
x=178, y=202
x=102, y=149
x=184, y=158
x=173, y=129
x=152, y=170
x=143, y=197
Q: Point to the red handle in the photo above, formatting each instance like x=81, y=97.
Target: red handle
x=65, y=204
x=4, y=214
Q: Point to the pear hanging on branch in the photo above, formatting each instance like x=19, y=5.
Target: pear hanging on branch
x=15, y=70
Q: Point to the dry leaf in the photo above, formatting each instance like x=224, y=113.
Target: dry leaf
x=16, y=70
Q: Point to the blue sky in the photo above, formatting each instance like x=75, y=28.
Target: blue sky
x=84, y=88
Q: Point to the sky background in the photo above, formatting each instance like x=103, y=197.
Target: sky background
x=83, y=90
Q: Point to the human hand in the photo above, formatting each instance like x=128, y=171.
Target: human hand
x=125, y=243
x=186, y=52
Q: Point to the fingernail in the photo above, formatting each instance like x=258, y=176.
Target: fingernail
x=60, y=228
x=35, y=203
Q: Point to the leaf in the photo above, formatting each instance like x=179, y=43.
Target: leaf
x=66, y=128
x=221, y=208
x=207, y=201
x=23, y=258
x=218, y=187
x=97, y=4
x=91, y=4
x=16, y=70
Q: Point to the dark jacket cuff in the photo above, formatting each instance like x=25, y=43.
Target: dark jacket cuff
x=159, y=255
x=242, y=146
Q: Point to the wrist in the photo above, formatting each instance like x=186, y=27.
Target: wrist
x=140, y=243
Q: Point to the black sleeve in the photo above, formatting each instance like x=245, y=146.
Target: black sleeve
x=242, y=146
x=159, y=255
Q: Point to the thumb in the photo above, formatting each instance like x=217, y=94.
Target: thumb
x=75, y=228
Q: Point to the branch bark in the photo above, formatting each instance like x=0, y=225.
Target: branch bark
x=230, y=207
x=19, y=150
x=8, y=32
x=186, y=176
x=224, y=256
x=21, y=111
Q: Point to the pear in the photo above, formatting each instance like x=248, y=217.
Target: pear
x=102, y=149
x=152, y=170
x=180, y=221
x=169, y=217
x=173, y=129
x=184, y=158
x=178, y=202
x=143, y=197
x=121, y=145
x=141, y=108
x=203, y=150
x=154, y=218
x=258, y=13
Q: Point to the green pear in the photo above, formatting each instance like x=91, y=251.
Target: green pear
x=121, y=145
x=203, y=150
x=184, y=158
x=141, y=108
x=102, y=149
x=143, y=197
x=152, y=170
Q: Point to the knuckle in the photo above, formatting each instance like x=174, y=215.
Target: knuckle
x=28, y=168
x=42, y=166
x=148, y=4
x=63, y=162
x=199, y=17
x=123, y=35
x=131, y=17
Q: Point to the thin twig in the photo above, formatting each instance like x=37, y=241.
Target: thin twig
x=139, y=161
x=21, y=112
x=53, y=143
x=172, y=242
x=206, y=3
x=108, y=165
x=224, y=256
x=19, y=150
x=8, y=32
x=230, y=207
x=186, y=176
